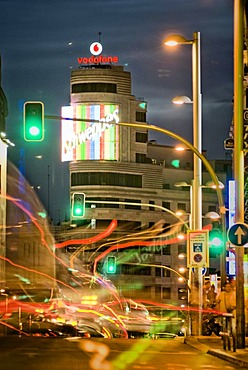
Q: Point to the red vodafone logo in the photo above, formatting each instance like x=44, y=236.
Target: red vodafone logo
x=96, y=48
x=96, y=57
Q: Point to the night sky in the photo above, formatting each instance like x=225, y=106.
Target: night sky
x=40, y=42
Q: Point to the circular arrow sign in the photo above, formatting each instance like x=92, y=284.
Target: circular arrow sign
x=238, y=234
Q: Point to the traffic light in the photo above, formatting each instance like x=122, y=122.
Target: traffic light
x=33, y=118
x=216, y=241
x=111, y=264
x=78, y=205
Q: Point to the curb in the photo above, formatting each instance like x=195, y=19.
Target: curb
x=193, y=342
x=228, y=358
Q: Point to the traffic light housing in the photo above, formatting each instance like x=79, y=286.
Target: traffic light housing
x=111, y=265
x=33, y=119
x=78, y=205
x=216, y=241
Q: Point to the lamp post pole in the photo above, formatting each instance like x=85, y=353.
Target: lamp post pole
x=197, y=278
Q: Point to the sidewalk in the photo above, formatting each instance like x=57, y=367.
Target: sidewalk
x=213, y=345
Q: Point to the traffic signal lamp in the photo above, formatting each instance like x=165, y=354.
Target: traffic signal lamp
x=78, y=205
x=111, y=264
x=216, y=241
x=33, y=117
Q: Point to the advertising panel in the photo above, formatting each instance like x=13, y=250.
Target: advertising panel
x=84, y=140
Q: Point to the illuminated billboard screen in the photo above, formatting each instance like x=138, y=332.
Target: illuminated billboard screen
x=90, y=140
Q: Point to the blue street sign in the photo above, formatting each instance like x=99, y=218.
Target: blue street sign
x=238, y=234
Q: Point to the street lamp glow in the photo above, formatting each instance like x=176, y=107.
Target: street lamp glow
x=212, y=215
x=180, y=148
x=174, y=40
x=211, y=184
x=181, y=99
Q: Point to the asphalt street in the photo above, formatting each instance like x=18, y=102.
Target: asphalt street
x=35, y=353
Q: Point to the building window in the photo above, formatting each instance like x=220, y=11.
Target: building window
x=158, y=292
x=135, y=270
x=151, y=208
x=94, y=87
x=130, y=206
x=166, y=205
x=106, y=178
x=93, y=203
x=157, y=249
x=166, y=250
x=158, y=271
x=141, y=137
x=166, y=293
x=140, y=158
x=211, y=208
x=181, y=248
x=166, y=272
x=181, y=206
x=140, y=116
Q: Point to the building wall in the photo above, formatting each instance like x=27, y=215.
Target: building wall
x=152, y=218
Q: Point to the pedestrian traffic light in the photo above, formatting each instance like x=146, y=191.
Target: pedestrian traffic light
x=78, y=205
x=216, y=241
x=111, y=264
x=33, y=119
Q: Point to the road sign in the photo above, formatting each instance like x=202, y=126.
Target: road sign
x=237, y=234
x=197, y=248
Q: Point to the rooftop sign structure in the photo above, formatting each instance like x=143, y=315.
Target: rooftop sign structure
x=97, y=58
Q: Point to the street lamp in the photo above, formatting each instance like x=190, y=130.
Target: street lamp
x=174, y=40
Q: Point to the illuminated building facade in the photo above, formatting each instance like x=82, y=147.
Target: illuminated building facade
x=127, y=178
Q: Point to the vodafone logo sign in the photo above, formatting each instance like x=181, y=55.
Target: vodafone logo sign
x=96, y=48
x=96, y=58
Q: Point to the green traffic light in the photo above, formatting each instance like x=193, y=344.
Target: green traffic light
x=78, y=205
x=33, y=116
x=216, y=242
x=78, y=211
x=111, y=265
